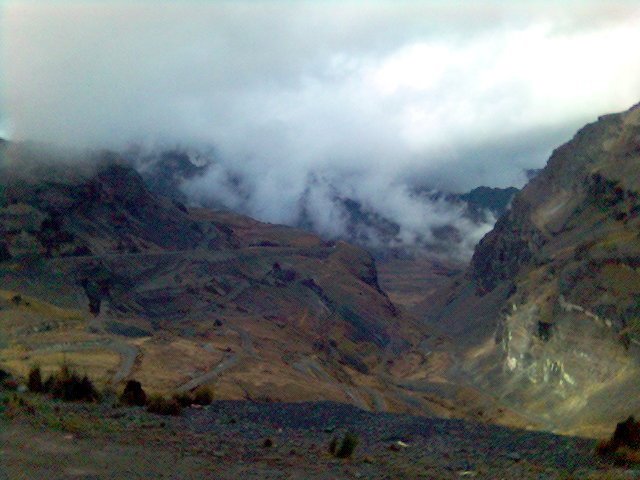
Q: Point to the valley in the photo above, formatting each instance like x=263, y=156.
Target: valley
x=537, y=333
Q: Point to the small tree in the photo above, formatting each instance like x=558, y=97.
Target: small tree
x=34, y=380
x=133, y=394
x=348, y=445
x=68, y=385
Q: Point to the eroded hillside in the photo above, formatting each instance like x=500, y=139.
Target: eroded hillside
x=549, y=309
x=98, y=271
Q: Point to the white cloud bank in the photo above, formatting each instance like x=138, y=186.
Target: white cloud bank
x=372, y=97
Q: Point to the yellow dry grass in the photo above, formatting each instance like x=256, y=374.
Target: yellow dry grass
x=98, y=364
x=40, y=307
x=165, y=365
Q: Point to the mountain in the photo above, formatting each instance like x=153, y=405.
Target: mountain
x=165, y=172
x=99, y=271
x=169, y=172
x=548, y=311
x=495, y=200
x=382, y=235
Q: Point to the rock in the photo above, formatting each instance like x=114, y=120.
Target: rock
x=397, y=446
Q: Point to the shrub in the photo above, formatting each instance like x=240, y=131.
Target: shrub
x=348, y=445
x=184, y=399
x=34, y=380
x=333, y=446
x=202, y=396
x=15, y=405
x=133, y=394
x=162, y=406
x=624, y=446
x=4, y=378
x=627, y=434
x=68, y=385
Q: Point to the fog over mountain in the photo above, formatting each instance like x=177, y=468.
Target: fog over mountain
x=302, y=103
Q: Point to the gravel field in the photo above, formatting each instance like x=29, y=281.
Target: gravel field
x=230, y=439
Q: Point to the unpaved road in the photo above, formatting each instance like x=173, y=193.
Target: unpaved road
x=128, y=353
x=248, y=351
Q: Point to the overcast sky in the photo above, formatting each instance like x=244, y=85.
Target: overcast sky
x=447, y=94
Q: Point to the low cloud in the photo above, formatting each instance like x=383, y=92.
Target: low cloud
x=310, y=100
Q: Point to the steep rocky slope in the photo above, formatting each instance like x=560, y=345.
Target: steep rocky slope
x=549, y=309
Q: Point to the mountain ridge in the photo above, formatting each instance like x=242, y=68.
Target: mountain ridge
x=129, y=284
x=554, y=287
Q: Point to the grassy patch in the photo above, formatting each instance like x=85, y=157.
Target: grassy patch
x=44, y=309
x=42, y=412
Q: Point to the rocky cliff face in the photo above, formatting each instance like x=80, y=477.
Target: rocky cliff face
x=558, y=280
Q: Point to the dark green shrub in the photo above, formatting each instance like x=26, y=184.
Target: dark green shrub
x=7, y=382
x=162, y=406
x=627, y=434
x=333, y=446
x=624, y=446
x=348, y=445
x=34, y=380
x=68, y=385
x=202, y=396
x=133, y=394
x=184, y=399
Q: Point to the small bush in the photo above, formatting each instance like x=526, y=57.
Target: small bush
x=133, y=394
x=68, y=385
x=162, y=406
x=184, y=399
x=604, y=448
x=348, y=445
x=15, y=405
x=4, y=378
x=627, y=434
x=333, y=446
x=34, y=380
x=202, y=396
x=624, y=446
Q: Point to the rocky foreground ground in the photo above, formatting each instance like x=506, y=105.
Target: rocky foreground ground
x=230, y=440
